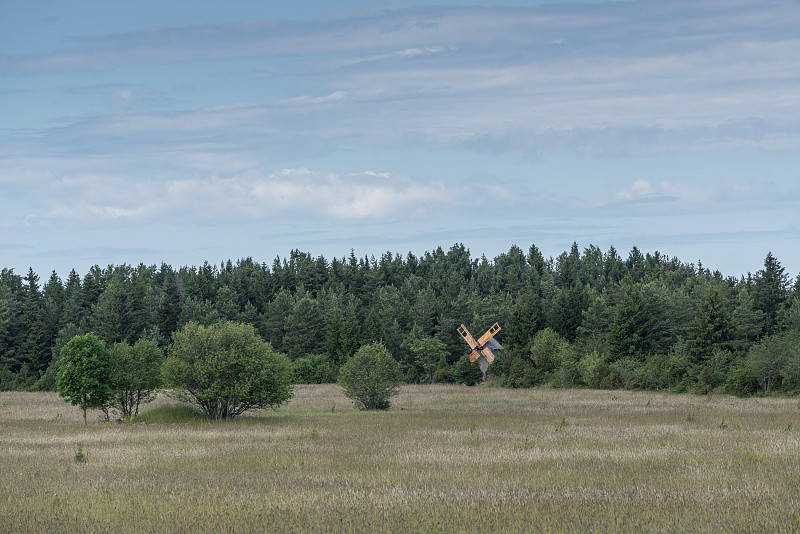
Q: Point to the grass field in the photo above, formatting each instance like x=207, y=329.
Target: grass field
x=443, y=459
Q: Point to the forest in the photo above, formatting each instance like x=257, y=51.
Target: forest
x=583, y=319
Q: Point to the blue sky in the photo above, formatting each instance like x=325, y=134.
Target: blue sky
x=181, y=132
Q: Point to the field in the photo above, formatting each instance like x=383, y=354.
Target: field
x=443, y=459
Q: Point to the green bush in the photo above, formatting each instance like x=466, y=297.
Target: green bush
x=225, y=369
x=467, y=372
x=444, y=372
x=370, y=377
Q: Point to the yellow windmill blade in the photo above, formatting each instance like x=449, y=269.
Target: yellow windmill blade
x=467, y=336
x=489, y=334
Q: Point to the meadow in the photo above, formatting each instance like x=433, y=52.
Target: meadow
x=444, y=459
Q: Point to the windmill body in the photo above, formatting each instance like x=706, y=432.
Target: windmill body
x=482, y=349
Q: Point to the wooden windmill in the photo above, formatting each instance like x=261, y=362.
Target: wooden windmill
x=482, y=350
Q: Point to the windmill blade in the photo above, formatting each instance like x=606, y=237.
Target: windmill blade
x=489, y=334
x=474, y=355
x=467, y=336
x=488, y=354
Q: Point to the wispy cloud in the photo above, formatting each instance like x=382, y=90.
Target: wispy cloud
x=624, y=78
x=290, y=194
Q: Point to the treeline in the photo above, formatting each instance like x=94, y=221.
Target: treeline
x=586, y=318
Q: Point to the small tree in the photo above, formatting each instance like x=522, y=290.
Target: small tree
x=136, y=375
x=226, y=369
x=428, y=352
x=769, y=357
x=370, y=377
x=84, y=373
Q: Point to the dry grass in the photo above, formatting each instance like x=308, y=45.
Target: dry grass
x=444, y=459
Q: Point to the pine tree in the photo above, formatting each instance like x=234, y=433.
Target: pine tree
x=305, y=329
x=770, y=291
x=36, y=342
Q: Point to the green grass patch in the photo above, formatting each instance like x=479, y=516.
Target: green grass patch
x=170, y=414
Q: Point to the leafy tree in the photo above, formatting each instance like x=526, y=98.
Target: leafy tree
x=136, y=374
x=371, y=377
x=427, y=352
x=226, y=369
x=84, y=375
x=548, y=352
x=769, y=357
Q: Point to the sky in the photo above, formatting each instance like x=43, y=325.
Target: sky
x=184, y=132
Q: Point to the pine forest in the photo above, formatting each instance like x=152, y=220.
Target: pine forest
x=587, y=318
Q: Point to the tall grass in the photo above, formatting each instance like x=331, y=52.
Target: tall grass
x=443, y=459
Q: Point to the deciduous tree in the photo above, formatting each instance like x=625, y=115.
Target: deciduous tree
x=85, y=373
x=226, y=369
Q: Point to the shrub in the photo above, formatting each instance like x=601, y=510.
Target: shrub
x=467, y=372
x=370, y=377
x=226, y=369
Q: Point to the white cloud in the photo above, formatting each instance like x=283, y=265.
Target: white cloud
x=290, y=194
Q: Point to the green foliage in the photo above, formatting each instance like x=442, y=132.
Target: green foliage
x=371, y=377
x=427, y=353
x=313, y=369
x=226, y=369
x=136, y=375
x=85, y=373
x=467, y=372
x=769, y=359
x=741, y=380
x=547, y=354
x=80, y=456
x=592, y=369
x=444, y=372
x=687, y=329
x=305, y=331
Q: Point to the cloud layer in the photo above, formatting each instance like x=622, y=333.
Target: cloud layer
x=458, y=111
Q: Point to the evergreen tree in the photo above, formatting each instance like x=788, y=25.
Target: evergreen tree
x=770, y=291
x=274, y=319
x=524, y=321
x=36, y=342
x=169, y=309
x=73, y=311
x=305, y=329
x=712, y=327
x=112, y=313
x=631, y=333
